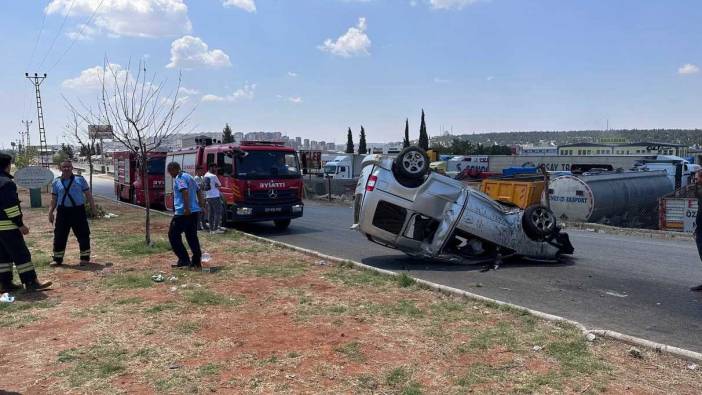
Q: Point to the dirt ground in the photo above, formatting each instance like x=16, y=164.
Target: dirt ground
x=275, y=321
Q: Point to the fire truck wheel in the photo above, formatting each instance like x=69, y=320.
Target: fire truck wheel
x=281, y=224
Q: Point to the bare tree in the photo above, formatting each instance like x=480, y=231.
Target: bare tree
x=77, y=132
x=141, y=115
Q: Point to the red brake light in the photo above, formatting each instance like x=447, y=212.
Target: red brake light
x=370, y=185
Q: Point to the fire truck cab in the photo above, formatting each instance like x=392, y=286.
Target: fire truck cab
x=261, y=180
x=129, y=183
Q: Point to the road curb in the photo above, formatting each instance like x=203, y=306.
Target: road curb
x=632, y=340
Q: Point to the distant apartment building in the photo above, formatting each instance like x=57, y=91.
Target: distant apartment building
x=538, y=151
x=638, y=148
x=331, y=147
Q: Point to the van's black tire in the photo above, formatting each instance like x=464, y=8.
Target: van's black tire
x=412, y=163
x=539, y=222
x=281, y=224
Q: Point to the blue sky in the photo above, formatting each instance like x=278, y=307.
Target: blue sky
x=312, y=68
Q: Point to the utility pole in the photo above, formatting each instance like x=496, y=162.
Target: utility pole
x=43, y=147
x=26, y=134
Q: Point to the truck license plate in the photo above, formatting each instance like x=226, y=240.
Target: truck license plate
x=274, y=209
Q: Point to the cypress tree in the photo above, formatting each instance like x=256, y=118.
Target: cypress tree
x=362, y=142
x=423, y=136
x=349, y=142
x=406, y=141
x=227, y=136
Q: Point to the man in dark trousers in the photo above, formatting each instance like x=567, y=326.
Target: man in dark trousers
x=13, y=249
x=187, y=203
x=68, y=197
x=698, y=220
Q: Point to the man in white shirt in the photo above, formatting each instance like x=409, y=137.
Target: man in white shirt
x=214, y=200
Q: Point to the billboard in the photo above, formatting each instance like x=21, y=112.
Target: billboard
x=100, y=132
x=311, y=161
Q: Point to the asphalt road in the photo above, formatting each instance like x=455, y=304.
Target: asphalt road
x=628, y=284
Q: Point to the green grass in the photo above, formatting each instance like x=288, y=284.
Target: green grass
x=404, y=281
x=448, y=311
x=135, y=246
x=19, y=314
x=351, y=276
x=187, y=327
x=131, y=300
x=352, y=351
x=279, y=270
x=503, y=334
x=293, y=354
x=129, y=281
x=574, y=356
x=167, y=306
x=397, y=377
x=480, y=373
x=99, y=362
x=204, y=297
x=209, y=369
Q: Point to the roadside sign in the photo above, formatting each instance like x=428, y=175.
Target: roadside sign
x=100, y=132
x=33, y=177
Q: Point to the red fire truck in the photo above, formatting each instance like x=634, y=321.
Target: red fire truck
x=261, y=180
x=129, y=185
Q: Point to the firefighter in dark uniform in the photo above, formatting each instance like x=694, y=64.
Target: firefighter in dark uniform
x=12, y=230
x=69, y=195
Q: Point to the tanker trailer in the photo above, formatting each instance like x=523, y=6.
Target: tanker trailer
x=594, y=197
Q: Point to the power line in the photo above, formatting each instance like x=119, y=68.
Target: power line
x=58, y=34
x=80, y=33
x=36, y=42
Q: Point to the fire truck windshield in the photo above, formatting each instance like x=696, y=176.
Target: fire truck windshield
x=267, y=164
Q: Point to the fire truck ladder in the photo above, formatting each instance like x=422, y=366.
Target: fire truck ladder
x=43, y=147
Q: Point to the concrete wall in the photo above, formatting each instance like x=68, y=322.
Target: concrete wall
x=560, y=163
x=320, y=186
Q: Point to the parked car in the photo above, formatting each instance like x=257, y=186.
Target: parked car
x=401, y=204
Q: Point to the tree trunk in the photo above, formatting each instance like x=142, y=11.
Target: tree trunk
x=90, y=168
x=147, y=200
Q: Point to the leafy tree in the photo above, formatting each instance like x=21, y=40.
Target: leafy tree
x=59, y=157
x=362, y=142
x=423, y=136
x=27, y=157
x=349, y=142
x=68, y=150
x=406, y=141
x=227, y=136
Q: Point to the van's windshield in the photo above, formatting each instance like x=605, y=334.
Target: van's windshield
x=267, y=164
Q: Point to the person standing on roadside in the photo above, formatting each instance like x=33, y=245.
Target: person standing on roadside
x=214, y=200
x=200, y=181
x=69, y=195
x=187, y=201
x=13, y=249
x=698, y=221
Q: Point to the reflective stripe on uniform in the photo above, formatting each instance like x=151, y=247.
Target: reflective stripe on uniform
x=5, y=267
x=6, y=224
x=85, y=253
x=25, y=267
x=59, y=254
x=13, y=212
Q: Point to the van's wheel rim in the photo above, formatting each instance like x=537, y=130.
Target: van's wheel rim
x=413, y=162
x=543, y=219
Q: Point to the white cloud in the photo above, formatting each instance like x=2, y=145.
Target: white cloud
x=135, y=18
x=490, y=78
x=91, y=79
x=438, y=80
x=186, y=91
x=353, y=43
x=82, y=33
x=688, y=69
x=295, y=99
x=451, y=4
x=246, y=92
x=190, y=52
x=246, y=5
x=292, y=74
